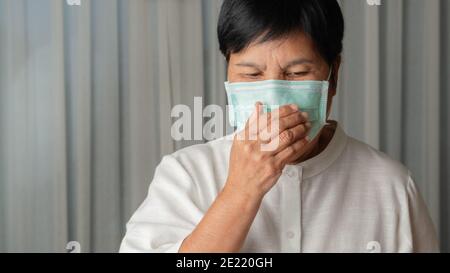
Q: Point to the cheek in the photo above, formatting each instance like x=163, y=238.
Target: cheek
x=228, y=73
x=233, y=79
x=232, y=76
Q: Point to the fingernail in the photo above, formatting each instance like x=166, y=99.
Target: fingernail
x=305, y=115
x=307, y=139
x=294, y=107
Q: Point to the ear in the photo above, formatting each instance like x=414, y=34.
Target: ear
x=333, y=84
x=335, y=76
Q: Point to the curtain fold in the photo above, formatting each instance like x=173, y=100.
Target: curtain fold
x=86, y=94
x=394, y=66
x=444, y=123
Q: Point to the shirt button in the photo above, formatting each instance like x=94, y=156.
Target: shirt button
x=290, y=173
x=290, y=234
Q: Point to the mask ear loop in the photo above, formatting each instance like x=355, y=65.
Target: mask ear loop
x=328, y=80
x=329, y=75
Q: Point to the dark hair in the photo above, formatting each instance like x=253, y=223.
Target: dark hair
x=242, y=22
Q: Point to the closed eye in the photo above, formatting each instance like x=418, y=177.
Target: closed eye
x=296, y=74
x=252, y=75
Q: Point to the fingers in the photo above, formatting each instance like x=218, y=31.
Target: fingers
x=291, y=152
x=287, y=138
x=278, y=125
x=268, y=126
x=252, y=123
x=284, y=111
x=293, y=120
x=256, y=113
x=273, y=118
x=250, y=131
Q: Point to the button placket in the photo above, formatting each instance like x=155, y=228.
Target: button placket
x=300, y=179
x=291, y=210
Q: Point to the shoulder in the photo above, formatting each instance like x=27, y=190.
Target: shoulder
x=375, y=165
x=197, y=171
x=203, y=163
x=196, y=160
x=204, y=152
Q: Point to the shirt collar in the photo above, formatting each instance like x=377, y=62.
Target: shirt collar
x=322, y=161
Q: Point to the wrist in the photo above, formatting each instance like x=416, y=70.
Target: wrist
x=250, y=196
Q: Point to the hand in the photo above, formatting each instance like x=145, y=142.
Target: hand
x=260, y=152
x=253, y=170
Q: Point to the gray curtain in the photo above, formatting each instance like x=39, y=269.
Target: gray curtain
x=394, y=90
x=86, y=94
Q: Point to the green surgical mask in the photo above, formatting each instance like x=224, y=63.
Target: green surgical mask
x=309, y=96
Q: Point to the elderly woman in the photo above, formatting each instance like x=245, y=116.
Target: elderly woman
x=289, y=180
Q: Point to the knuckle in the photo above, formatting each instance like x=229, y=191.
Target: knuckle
x=291, y=150
x=257, y=157
x=247, y=148
x=301, y=144
x=276, y=165
x=271, y=170
x=286, y=136
x=301, y=129
x=282, y=124
x=274, y=124
x=304, y=129
x=265, y=136
x=299, y=117
x=283, y=110
x=288, y=109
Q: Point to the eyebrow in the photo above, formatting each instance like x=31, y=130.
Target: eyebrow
x=297, y=62
x=287, y=66
x=250, y=64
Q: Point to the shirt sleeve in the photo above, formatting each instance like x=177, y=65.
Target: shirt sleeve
x=422, y=232
x=168, y=214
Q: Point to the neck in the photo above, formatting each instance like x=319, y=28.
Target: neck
x=318, y=145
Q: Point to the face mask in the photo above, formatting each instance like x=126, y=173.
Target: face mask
x=309, y=96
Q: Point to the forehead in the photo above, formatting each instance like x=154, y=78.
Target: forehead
x=292, y=46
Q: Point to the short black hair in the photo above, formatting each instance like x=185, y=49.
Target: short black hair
x=242, y=22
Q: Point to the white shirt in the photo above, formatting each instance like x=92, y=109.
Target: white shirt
x=349, y=198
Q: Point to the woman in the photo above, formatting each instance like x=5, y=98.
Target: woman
x=315, y=189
